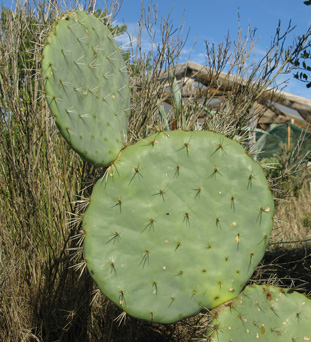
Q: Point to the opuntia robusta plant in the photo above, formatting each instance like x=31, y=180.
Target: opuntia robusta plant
x=180, y=220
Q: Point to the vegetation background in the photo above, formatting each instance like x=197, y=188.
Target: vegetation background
x=45, y=187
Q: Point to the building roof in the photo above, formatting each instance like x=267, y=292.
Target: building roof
x=281, y=106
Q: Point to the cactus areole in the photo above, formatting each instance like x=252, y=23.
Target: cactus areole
x=177, y=224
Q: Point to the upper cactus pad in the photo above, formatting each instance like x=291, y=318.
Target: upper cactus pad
x=263, y=313
x=87, y=86
x=178, y=224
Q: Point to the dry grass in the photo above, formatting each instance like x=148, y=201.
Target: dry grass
x=292, y=221
x=288, y=257
x=43, y=185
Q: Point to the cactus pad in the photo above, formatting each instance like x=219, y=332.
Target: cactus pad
x=263, y=313
x=86, y=85
x=178, y=224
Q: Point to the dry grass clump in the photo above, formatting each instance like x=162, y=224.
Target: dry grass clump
x=292, y=221
x=45, y=187
x=288, y=257
x=40, y=179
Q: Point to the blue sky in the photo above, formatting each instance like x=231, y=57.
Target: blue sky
x=211, y=21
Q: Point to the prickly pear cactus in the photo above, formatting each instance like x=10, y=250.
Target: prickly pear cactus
x=86, y=85
x=263, y=313
x=178, y=224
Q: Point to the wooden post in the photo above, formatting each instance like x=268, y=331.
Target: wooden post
x=289, y=133
x=253, y=124
x=288, y=136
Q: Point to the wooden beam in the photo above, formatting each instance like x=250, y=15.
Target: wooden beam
x=300, y=104
x=224, y=82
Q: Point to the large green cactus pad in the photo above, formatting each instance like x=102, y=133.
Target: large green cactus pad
x=178, y=224
x=263, y=313
x=86, y=85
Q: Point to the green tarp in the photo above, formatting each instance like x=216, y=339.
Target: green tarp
x=286, y=135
